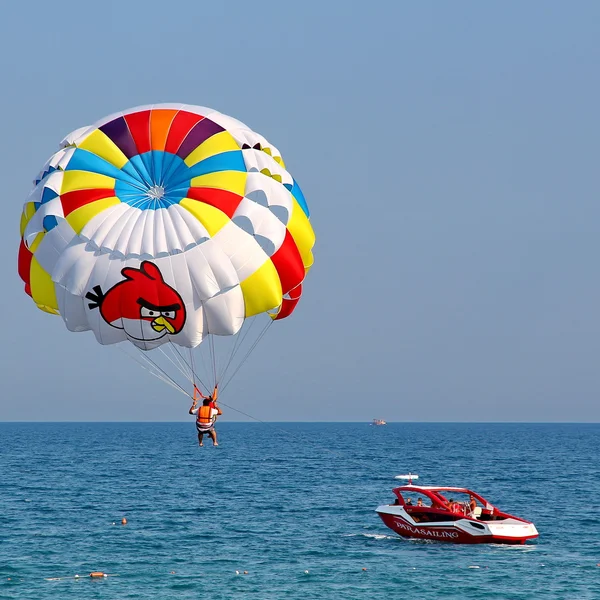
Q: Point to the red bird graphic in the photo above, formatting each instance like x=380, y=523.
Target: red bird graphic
x=142, y=304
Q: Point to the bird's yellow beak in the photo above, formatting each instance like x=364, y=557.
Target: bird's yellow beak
x=160, y=323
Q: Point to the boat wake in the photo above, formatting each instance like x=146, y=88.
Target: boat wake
x=375, y=536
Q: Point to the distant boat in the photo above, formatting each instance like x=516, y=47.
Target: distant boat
x=378, y=422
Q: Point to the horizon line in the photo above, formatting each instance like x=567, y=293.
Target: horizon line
x=254, y=421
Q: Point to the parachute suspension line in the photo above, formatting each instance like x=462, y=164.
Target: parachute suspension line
x=340, y=455
x=154, y=373
x=205, y=369
x=162, y=371
x=175, y=387
x=239, y=341
x=193, y=370
x=154, y=370
x=214, y=358
x=208, y=363
x=193, y=375
x=181, y=360
x=145, y=366
x=184, y=372
x=242, y=413
x=260, y=337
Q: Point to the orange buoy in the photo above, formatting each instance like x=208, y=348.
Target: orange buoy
x=96, y=574
x=123, y=521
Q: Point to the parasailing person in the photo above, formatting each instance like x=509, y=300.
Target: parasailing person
x=206, y=415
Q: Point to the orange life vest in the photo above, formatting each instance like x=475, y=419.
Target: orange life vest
x=205, y=415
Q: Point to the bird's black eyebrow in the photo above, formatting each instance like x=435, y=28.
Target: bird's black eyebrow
x=151, y=306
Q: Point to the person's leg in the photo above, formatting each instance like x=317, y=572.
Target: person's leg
x=213, y=436
x=200, y=436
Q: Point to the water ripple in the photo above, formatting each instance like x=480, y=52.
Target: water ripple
x=279, y=500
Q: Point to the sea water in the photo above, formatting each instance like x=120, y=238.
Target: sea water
x=293, y=506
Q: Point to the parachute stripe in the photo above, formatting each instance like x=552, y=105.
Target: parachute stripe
x=84, y=180
x=232, y=181
x=299, y=196
x=180, y=127
x=218, y=143
x=73, y=200
x=80, y=217
x=226, y=161
x=139, y=126
x=289, y=265
x=28, y=211
x=101, y=145
x=262, y=290
x=160, y=122
x=47, y=195
x=82, y=160
x=24, y=265
x=212, y=218
x=36, y=242
x=288, y=304
x=118, y=132
x=224, y=200
x=198, y=135
x=42, y=288
x=302, y=232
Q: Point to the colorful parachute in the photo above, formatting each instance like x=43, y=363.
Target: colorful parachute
x=165, y=223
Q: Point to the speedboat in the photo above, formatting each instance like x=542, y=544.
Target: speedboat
x=452, y=514
x=378, y=422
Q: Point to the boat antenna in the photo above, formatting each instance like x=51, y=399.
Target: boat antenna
x=409, y=476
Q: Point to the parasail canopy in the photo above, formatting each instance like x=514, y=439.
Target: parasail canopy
x=165, y=224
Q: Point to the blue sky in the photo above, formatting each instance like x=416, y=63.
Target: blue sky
x=448, y=152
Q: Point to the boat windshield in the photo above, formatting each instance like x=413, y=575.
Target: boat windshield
x=452, y=500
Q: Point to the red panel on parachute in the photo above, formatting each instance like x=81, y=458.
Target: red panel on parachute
x=225, y=201
x=289, y=304
x=139, y=125
x=73, y=200
x=24, y=265
x=288, y=262
x=180, y=127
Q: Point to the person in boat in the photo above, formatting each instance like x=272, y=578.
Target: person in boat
x=206, y=415
x=450, y=505
x=457, y=507
x=419, y=501
x=472, y=504
x=409, y=502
